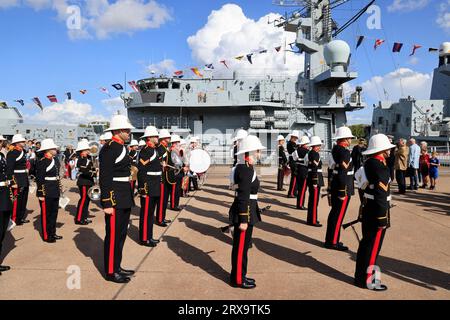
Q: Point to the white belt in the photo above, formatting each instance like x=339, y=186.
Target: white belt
x=121, y=179
x=20, y=171
x=371, y=197
x=318, y=170
x=253, y=197
x=4, y=184
x=350, y=173
x=51, y=178
x=154, y=173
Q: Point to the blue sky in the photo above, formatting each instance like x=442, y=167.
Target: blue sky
x=39, y=57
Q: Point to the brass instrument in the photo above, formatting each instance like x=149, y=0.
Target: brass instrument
x=94, y=192
x=133, y=173
x=63, y=200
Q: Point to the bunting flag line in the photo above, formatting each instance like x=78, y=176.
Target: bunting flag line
x=360, y=41
x=83, y=91
x=415, y=47
x=133, y=85
x=378, y=43
x=178, y=73
x=69, y=95
x=249, y=58
x=397, y=47
x=239, y=58
x=433, y=49
x=278, y=48
x=263, y=51
x=20, y=101
x=197, y=73
x=38, y=103
x=105, y=91
x=224, y=63
x=117, y=86
x=52, y=98
x=210, y=66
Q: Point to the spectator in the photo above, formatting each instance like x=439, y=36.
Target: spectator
x=424, y=163
x=434, y=170
x=67, y=154
x=357, y=157
x=401, y=165
x=413, y=164
x=390, y=161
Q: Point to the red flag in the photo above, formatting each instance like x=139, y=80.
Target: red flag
x=52, y=99
x=178, y=73
x=224, y=63
x=133, y=85
x=378, y=43
x=416, y=46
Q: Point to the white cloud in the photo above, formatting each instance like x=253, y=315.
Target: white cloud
x=67, y=112
x=114, y=105
x=164, y=67
x=443, y=19
x=229, y=33
x=407, y=5
x=103, y=19
x=415, y=84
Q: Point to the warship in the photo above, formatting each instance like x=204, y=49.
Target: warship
x=425, y=120
x=313, y=102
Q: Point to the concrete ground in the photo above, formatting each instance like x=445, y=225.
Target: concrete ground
x=193, y=259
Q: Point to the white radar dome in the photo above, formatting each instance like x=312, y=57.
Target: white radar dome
x=336, y=54
x=444, y=50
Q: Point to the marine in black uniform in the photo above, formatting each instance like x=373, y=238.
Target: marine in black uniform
x=341, y=188
x=244, y=214
x=117, y=197
x=282, y=163
x=149, y=184
x=291, y=147
x=300, y=157
x=315, y=181
x=5, y=203
x=133, y=154
x=163, y=156
x=48, y=190
x=17, y=172
x=358, y=160
x=87, y=173
x=175, y=176
x=375, y=213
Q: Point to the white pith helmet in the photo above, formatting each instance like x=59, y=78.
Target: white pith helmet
x=378, y=143
x=249, y=144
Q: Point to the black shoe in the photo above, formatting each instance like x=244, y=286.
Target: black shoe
x=88, y=221
x=4, y=268
x=249, y=280
x=176, y=209
x=81, y=223
x=302, y=208
x=124, y=272
x=148, y=243
x=290, y=197
x=154, y=240
x=50, y=240
x=167, y=221
x=56, y=237
x=337, y=247
x=117, y=278
x=416, y=188
x=161, y=224
x=378, y=287
x=244, y=285
x=317, y=224
x=23, y=221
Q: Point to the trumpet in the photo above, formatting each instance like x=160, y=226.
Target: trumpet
x=94, y=192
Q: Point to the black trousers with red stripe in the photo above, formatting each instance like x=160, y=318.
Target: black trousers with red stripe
x=280, y=179
x=147, y=217
x=83, y=204
x=335, y=218
x=163, y=201
x=116, y=234
x=293, y=186
x=4, y=221
x=49, y=215
x=368, y=251
x=175, y=192
x=241, y=242
x=313, y=204
x=20, y=204
x=302, y=185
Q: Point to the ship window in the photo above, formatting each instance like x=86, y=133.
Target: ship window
x=163, y=85
x=380, y=120
x=398, y=118
x=28, y=131
x=176, y=85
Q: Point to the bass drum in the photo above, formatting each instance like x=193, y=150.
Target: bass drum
x=199, y=161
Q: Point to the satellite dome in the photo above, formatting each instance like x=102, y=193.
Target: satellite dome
x=336, y=54
x=444, y=49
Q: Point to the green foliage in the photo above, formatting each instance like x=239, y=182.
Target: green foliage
x=360, y=130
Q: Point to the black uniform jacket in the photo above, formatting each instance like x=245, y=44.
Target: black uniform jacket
x=291, y=147
x=302, y=163
x=315, y=176
x=47, y=178
x=115, y=164
x=357, y=157
x=133, y=157
x=150, y=172
x=164, y=156
x=376, y=209
x=282, y=159
x=5, y=191
x=16, y=161
x=342, y=179
x=244, y=209
x=86, y=170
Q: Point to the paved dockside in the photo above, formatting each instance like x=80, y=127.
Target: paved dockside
x=193, y=259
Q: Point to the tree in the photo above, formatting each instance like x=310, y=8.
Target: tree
x=360, y=130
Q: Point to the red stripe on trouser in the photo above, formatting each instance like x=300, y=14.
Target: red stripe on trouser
x=240, y=257
x=147, y=198
x=44, y=220
x=14, y=215
x=293, y=186
x=112, y=239
x=172, y=202
x=316, y=190
x=161, y=202
x=373, y=256
x=302, y=197
x=83, y=199
x=341, y=217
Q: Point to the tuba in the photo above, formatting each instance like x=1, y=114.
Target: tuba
x=94, y=192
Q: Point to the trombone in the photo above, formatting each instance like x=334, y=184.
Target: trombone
x=94, y=192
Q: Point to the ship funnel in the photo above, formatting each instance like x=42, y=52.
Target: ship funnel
x=336, y=54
